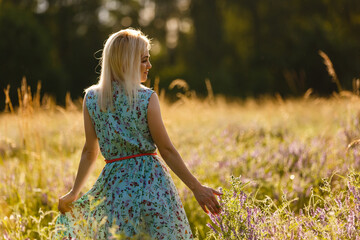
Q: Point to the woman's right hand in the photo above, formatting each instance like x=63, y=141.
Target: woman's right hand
x=65, y=202
x=207, y=200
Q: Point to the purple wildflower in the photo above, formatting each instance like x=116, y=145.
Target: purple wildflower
x=213, y=219
x=243, y=198
x=351, y=188
x=221, y=225
x=234, y=232
x=321, y=213
x=234, y=194
x=338, y=202
x=300, y=232
x=350, y=226
x=212, y=228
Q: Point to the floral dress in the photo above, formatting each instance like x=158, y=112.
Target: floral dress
x=133, y=197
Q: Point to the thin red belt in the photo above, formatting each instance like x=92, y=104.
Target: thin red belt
x=127, y=157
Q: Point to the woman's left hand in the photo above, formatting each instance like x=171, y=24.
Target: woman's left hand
x=65, y=202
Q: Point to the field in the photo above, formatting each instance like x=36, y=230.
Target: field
x=299, y=176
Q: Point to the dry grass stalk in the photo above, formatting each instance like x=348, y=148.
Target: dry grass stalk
x=308, y=93
x=356, y=86
x=25, y=99
x=28, y=102
x=210, y=96
x=185, y=97
x=346, y=94
x=19, y=98
x=279, y=98
x=69, y=104
x=156, y=85
x=8, y=103
x=330, y=69
x=36, y=99
x=180, y=84
x=48, y=102
x=353, y=143
x=29, y=96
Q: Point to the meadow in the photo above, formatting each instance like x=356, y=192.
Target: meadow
x=289, y=168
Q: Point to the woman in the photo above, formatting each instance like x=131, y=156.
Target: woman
x=134, y=194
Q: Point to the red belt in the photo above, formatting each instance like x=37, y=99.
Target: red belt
x=127, y=157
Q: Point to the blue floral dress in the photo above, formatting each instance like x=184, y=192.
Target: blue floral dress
x=132, y=197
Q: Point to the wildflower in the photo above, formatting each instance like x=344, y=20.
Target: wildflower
x=301, y=212
x=321, y=213
x=6, y=236
x=234, y=232
x=243, y=198
x=213, y=219
x=300, y=232
x=351, y=188
x=350, y=226
x=212, y=228
x=338, y=202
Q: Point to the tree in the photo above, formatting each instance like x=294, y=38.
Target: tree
x=26, y=51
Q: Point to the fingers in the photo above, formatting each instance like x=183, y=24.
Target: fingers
x=213, y=205
x=207, y=208
x=217, y=192
x=63, y=208
x=215, y=202
x=203, y=207
x=213, y=208
x=207, y=200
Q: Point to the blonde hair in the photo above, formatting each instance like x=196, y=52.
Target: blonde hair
x=120, y=62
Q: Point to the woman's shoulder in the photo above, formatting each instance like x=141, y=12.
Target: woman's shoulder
x=91, y=91
x=144, y=95
x=146, y=91
x=145, y=88
x=91, y=96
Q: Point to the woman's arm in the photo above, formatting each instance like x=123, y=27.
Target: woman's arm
x=87, y=162
x=204, y=195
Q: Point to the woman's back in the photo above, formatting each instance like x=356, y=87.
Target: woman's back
x=124, y=131
x=135, y=196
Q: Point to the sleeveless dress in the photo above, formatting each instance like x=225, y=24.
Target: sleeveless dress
x=131, y=198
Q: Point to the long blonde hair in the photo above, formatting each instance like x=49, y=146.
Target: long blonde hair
x=120, y=62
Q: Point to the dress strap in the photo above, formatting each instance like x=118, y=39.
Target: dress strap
x=127, y=157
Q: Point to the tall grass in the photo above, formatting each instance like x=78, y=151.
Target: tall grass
x=286, y=149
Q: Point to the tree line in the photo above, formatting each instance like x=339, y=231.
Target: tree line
x=245, y=47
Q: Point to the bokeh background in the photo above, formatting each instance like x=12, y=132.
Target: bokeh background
x=292, y=138
x=244, y=47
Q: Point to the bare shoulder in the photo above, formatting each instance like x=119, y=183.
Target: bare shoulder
x=153, y=102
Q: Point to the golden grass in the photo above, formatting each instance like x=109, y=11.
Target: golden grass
x=40, y=142
x=330, y=69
